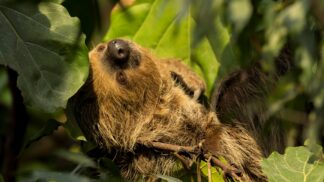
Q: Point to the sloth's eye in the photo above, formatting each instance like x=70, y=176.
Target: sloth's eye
x=121, y=77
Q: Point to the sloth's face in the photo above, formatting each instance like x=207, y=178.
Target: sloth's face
x=125, y=70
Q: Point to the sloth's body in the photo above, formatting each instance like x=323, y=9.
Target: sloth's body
x=133, y=97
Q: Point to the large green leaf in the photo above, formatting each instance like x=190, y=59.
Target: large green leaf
x=167, y=27
x=41, y=42
x=297, y=164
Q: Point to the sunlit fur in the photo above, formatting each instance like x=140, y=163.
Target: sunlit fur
x=152, y=107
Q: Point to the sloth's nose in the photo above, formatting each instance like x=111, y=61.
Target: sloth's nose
x=118, y=50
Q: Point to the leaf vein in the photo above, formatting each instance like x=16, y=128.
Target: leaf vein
x=31, y=19
x=147, y=15
x=31, y=56
x=279, y=172
x=164, y=32
x=290, y=168
x=40, y=46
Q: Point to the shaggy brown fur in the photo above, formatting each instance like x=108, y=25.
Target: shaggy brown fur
x=121, y=106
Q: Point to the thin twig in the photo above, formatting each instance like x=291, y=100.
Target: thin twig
x=185, y=162
x=227, y=170
x=198, y=170
x=173, y=148
x=209, y=169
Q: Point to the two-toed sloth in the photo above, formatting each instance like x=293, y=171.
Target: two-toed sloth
x=133, y=97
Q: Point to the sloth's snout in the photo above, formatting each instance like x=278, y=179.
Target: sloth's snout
x=118, y=51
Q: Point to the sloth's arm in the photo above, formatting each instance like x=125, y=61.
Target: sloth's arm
x=192, y=84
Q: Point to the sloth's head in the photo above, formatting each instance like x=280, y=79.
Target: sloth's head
x=124, y=71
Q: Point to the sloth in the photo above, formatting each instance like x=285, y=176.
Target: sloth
x=131, y=97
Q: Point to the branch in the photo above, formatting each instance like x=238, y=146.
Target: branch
x=209, y=169
x=173, y=148
x=198, y=171
x=16, y=130
x=231, y=171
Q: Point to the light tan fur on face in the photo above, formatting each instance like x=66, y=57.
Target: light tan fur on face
x=152, y=107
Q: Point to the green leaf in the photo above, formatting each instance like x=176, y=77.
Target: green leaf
x=58, y=176
x=215, y=175
x=74, y=130
x=42, y=43
x=167, y=28
x=78, y=158
x=295, y=165
x=316, y=149
x=49, y=127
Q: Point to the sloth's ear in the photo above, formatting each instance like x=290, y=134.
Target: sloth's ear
x=188, y=80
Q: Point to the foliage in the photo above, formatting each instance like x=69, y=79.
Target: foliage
x=215, y=175
x=45, y=50
x=46, y=47
x=297, y=164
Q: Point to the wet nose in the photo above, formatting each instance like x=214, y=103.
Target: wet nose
x=118, y=50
